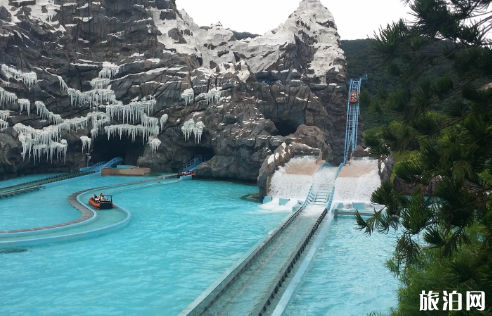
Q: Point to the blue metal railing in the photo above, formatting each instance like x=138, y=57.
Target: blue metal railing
x=194, y=163
x=104, y=164
x=353, y=110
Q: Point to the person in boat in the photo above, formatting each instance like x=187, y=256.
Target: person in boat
x=96, y=199
x=102, y=197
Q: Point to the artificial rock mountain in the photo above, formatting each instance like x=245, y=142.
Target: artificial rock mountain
x=143, y=69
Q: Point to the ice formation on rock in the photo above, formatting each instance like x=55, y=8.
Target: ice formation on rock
x=24, y=104
x=109, y=70
x=93, y=98
x=86, y=143
x=46, y=114
x=188, y=95
x=28, y=78
x=4, y=115
x=198, y=131
x=154, y=144
x=6, y=97
x=132, y=112
x=130, y=130
x=63, y=84
x=39, y=142
x=213, y=96
x=190, y=127
x=187, y=128
x=100, y=83
x=163, y=120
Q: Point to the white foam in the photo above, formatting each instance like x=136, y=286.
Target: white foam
x=360, y=188
x=274, y=207
x=291, y=186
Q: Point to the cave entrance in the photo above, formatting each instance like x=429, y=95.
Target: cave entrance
x=105, y=150
x=285, y=128
x=204, y=153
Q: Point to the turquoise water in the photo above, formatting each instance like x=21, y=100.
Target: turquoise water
x=181, y=238
x=24, y=179
x=49, y=206
x=348, y=276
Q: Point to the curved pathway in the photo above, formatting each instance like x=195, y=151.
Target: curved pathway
x=87, y=216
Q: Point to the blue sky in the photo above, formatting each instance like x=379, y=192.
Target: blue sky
x=355, y=18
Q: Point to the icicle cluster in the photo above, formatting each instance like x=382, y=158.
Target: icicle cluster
x=4, y=115
x=3, y=125
x=188, y=95
x=132, y=112
x=24, y=104
x=29, y=78
x=100, y=83
x=151, y=125
x=93, y=98
x=213, y=96
x=154, y=143
x=163, y=120
x=109, y=70
x=37, y=142
x=190, y=127
x=131, y=130
x=6, y=97
x=99, y=119
x=86, y=142
x=46, y=114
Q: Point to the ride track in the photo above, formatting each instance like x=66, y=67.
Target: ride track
x=73, y=229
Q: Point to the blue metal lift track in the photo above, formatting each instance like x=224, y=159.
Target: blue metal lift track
x=353, y=111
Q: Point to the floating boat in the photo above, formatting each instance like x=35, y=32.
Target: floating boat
x=186, y=173
x=354, y=96
x=102, y=205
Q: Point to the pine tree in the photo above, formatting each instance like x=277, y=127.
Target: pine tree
x=446, y=237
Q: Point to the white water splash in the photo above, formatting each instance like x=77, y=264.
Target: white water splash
x=360, y=184
x=291, y=186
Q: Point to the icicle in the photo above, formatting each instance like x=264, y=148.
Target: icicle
x=3, y=125
x=149, y=104
x=154, y=143
x=24, y=104
x=109, y=70
x=46, y=114
x=187, y=128
x=63, y=84
x=163, y=121
x=28, y=78
x=100, y=83
x=4, y=115
x=213, y=96
x=86, y=142
x=7, y=98
x=198, y=131
x=188, y=95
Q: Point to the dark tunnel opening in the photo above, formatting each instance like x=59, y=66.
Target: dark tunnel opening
x=105, y=150
x=285, y=129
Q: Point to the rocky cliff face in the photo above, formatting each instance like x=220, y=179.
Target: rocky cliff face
x=79, y=75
